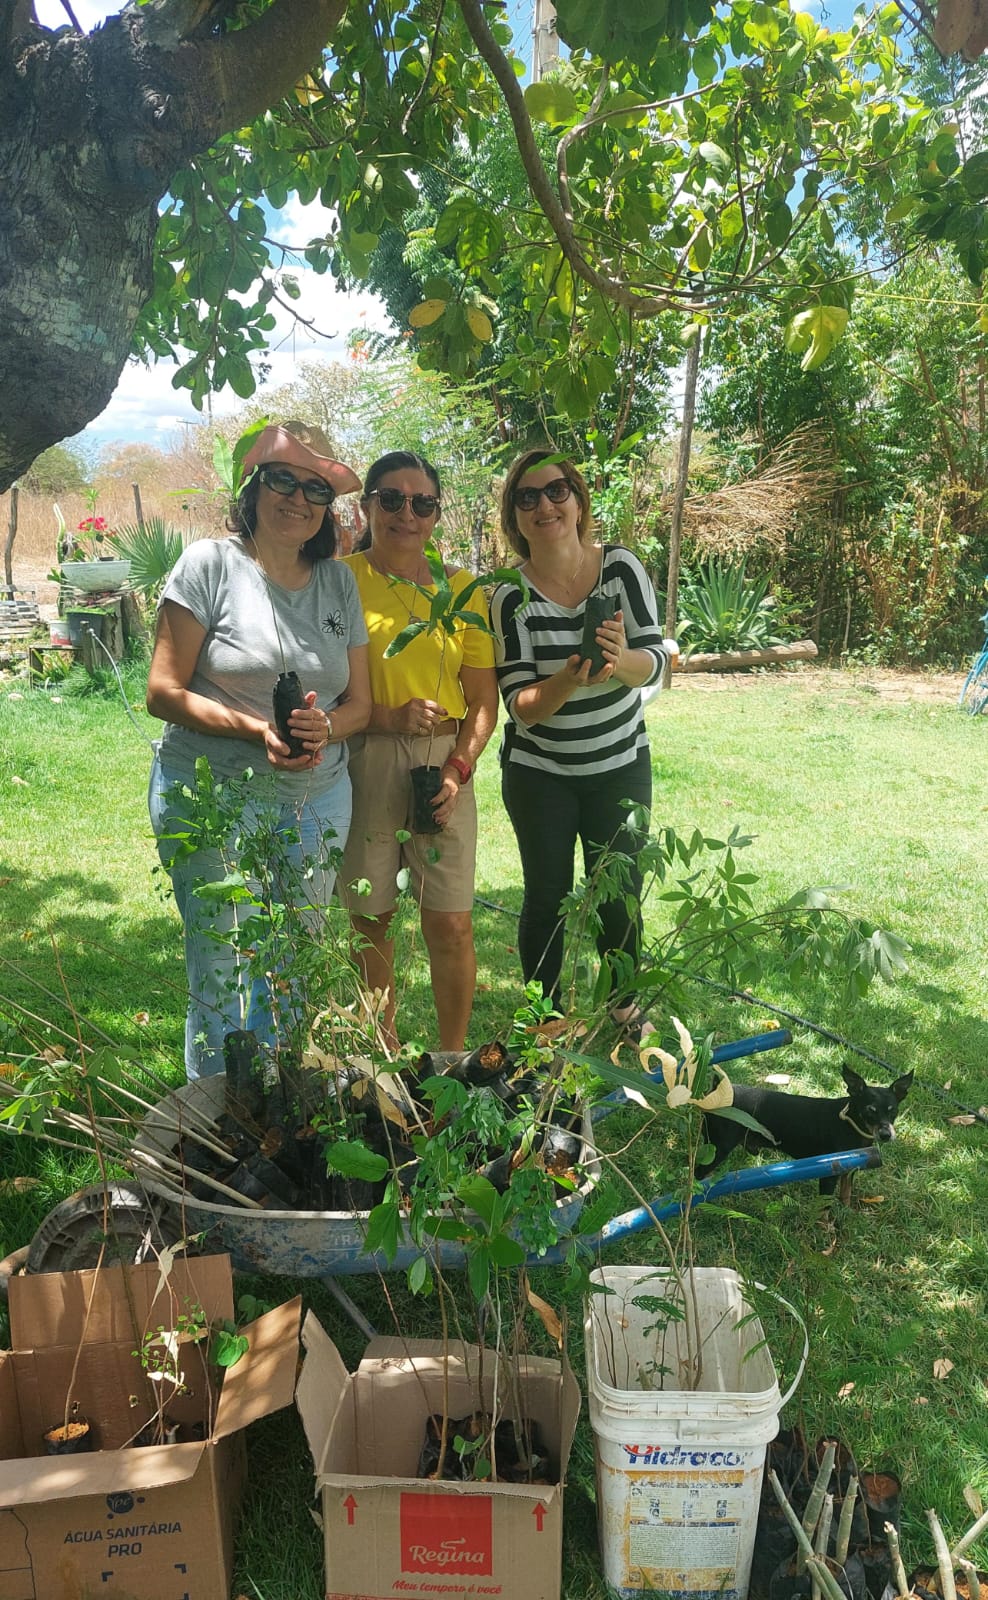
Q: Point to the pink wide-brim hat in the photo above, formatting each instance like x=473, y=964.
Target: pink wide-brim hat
x=276, y=444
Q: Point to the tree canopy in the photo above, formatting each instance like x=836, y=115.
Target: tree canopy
x=671, y=164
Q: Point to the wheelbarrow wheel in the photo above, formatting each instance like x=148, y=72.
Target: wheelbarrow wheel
x=123, y=1222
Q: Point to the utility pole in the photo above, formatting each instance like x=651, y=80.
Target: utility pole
x=545, y=40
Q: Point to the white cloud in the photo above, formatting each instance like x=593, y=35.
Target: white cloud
x=146, y=408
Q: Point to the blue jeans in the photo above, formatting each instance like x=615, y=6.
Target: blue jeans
x=223, y=995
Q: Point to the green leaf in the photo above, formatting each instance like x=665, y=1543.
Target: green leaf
x=636, y=116
x=715, y=157
x=226, y=1348
x=551, y=101
x=731, y=222
x=974, y=175
x=405, y=637
x=505, y=1251
x=225, y=891
x=816, y=333
x=481, y=238
x=763, y=25
x=702, y=250
x=902, y=208
x=778, y=224
x=420, y=1276
x=353, y=1160
x=478, y=1194
x=223, y=462
x=479, y=1273
x=384, y=1225
x=454, y=215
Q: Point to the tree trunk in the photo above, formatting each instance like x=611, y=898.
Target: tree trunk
x=730, y=660
x=679, y=497
x=8, y=549
x=92, y=130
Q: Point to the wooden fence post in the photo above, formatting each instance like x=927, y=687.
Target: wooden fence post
x=8, y=549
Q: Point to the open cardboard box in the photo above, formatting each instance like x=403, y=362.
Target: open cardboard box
x=127, y=1523
x=389, y=1533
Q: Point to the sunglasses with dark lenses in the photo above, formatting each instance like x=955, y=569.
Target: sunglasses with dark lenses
x=423, y=505
x=557, y=491
x=281, y=481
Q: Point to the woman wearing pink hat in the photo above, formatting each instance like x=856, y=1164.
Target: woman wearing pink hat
x=234, y=616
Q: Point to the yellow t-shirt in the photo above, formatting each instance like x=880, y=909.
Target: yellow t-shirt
x=429, y=667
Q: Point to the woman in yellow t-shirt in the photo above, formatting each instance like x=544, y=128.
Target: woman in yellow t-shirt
x=435, y=703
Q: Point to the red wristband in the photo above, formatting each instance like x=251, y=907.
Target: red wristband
x=465, y=772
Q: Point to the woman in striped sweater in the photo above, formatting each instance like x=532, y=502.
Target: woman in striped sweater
x=575, y=747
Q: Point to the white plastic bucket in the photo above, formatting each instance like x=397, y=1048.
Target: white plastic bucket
x=679, y=1471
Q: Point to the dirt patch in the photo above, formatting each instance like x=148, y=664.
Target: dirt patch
x=31, y=580
x=884, y=683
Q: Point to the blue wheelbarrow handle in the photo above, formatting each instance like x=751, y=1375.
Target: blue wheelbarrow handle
x=664, y=1206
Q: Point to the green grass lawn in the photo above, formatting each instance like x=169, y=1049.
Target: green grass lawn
x=839, y=786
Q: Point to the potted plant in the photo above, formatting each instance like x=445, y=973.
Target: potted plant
x=86, y=561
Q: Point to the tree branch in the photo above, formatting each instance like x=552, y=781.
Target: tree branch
x=239, y=75
x=611, y=288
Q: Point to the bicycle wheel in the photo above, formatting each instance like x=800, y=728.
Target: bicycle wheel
x=974, y=695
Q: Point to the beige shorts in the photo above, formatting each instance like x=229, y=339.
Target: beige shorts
x=441, y=866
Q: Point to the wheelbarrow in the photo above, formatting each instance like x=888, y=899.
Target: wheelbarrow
x=329, y=1245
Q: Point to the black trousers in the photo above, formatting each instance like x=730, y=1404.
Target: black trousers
x=549, y=814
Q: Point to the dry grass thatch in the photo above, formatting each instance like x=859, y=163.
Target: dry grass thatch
x=761, y=510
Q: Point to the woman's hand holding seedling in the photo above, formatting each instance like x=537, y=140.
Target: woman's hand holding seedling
x=630, y=667
x=417, y=716
x=308, y=723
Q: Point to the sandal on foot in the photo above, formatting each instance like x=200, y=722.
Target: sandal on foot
x=637, y=1027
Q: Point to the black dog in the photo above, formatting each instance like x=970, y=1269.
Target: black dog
x=800, y=1126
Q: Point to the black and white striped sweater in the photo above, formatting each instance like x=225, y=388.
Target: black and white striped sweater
x=600, y=727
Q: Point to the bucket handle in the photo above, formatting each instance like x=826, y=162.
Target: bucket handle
x=806, y=1339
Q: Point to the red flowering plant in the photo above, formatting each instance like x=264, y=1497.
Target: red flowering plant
x=84, y=544
x=87, y=542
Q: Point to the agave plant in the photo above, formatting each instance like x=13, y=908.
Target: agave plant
x=721, y=608
x=152, y=547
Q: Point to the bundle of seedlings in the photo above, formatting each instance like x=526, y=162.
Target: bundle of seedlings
x=954, y=1577
x=333, y=1137
x=477, y=1447
x=863, y=1501
x=823, y=1562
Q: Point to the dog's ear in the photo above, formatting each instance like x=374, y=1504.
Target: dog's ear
x=854, y=1081
x=900, y=1088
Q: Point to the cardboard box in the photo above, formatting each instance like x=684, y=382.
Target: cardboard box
x=153, y=1523
x=389, y=1533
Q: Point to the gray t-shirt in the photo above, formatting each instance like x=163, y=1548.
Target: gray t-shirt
x=240, y=659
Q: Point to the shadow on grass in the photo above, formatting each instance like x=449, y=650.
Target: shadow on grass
x=905, y=1284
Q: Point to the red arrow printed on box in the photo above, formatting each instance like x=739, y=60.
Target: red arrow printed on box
x=349, y=1506
x=539, y=1513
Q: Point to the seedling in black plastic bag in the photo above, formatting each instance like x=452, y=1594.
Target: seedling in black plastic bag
x=599, y=608
x=288, y=697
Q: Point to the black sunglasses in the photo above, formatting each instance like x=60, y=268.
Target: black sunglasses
x=557, y=491
x=423, y=505
x=281, y=481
